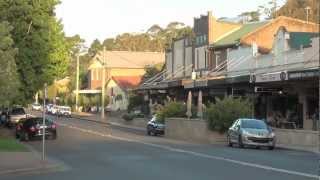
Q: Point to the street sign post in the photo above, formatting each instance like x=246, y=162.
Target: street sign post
x=43, y=122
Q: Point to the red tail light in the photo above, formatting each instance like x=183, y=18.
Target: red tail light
x=32, y=129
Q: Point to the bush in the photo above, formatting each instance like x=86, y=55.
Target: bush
x=134, y=101
x=172, y=109
x=224, y=112
x=128, y=117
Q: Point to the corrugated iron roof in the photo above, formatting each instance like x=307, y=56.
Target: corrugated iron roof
x=234, y=38
x=130, y=59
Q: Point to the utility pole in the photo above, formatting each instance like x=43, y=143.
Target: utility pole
x=274, y=9
x=77, y=84
x=104, y=66
x=44, y=122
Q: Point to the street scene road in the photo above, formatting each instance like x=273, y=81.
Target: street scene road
x=93, y=151
x=161, y=90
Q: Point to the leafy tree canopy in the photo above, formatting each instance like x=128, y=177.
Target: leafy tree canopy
x=42, y=52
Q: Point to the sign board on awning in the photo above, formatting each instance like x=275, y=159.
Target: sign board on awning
x=271, y=77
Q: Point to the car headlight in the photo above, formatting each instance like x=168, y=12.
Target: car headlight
x=271, y=135
x=246, y=133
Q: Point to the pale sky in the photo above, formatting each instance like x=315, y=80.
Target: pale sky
x=103, y=19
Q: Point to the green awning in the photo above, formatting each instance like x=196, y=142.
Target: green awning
x=298, y=39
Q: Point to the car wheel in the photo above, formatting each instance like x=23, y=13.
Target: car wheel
x=152, y=133
x=271, y=147
x=26, y=136
x=240, y=143
x=229, y=141
x=22, y=136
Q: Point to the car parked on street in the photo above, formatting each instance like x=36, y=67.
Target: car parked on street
x=48, y=108
x=36, y=107
x=251, y=132
x=54, y=110
x=154, y=127
x=64, y=111
x=15, y=115
x=29, y=128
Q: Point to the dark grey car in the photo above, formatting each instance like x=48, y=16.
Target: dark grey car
x=154, y=127
x=251, y=132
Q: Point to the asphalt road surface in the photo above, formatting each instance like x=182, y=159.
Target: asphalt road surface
x=91, y=151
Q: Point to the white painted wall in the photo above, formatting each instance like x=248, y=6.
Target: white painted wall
x=178, y=58
x=199, y=57
x=120, y=104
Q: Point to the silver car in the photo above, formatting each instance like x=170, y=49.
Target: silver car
x=251, y=132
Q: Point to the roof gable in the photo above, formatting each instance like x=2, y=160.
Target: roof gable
x=264, y=35
x=127, y=82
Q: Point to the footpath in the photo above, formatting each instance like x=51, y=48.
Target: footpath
x=20, y=158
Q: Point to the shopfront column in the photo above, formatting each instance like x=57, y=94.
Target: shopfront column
x=303, y=100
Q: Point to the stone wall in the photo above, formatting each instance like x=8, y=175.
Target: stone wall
x=192, y=130
x=302, y=138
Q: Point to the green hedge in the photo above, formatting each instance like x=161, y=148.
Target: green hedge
x=223, y=113
x=175, y=109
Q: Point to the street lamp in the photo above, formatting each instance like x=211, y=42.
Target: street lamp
x=77, y=79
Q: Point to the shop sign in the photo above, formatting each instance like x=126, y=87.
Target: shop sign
x=217, y=92
x=303, y=74
x=267, y=89
x=271, y=77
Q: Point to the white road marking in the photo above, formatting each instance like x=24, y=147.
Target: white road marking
x=196, y=153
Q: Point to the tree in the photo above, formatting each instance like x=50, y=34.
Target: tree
x=250, y=16
x=95, y=47
x=109, y=44
x=151, y=71
x=154, y=30
x=8, y=72
x=37, y=34
x=268, y=10
x=155, y=39
x=297, y=9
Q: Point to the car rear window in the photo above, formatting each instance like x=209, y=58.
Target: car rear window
x=34, y=121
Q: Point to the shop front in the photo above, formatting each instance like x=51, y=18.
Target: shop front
x=288, y=101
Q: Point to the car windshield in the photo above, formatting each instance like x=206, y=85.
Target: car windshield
x=17, y=111
x=40, y=120
x=253, y=124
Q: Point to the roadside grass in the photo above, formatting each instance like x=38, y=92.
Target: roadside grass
x=11, y=145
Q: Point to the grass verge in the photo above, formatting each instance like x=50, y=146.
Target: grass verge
x=11, y=145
